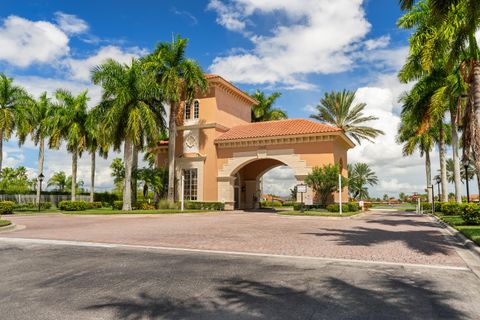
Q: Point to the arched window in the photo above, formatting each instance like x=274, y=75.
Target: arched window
x=196, y=106
x=187, y=111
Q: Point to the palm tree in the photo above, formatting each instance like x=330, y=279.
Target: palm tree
x=131, y=111
x=264, y=110
x=13, y=103
x=58, y=181
x=69, y=124
x=336, y=109
x=359, y=176
x=179, y=78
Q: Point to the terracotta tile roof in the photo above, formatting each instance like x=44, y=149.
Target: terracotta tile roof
x=211, y=76
x=276, y=128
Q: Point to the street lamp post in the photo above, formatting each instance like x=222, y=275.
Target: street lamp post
x=40, y=180
x=438, y=179
x=466, y=165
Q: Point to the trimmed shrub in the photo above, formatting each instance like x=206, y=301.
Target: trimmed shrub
x=353, y=207
x=334, y=207
x=117, y=205
x=471, y=214
x=32, y=206
x=94, y=205
x=200, y=205
x=438, y=206
x=105, y=197
x=6, y=207
x=73, y=205
x=452, y=208
x=165, y=204
x=145, y=206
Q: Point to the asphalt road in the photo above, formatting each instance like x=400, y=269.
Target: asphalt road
x=52, y=281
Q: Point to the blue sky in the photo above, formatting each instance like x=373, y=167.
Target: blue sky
x=301, y=48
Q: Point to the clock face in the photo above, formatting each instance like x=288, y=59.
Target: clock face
x=190, y=142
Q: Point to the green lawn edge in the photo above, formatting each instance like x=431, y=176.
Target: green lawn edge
x=471, y=232
x=4, y=223
x=117, y=212
x=317, y=213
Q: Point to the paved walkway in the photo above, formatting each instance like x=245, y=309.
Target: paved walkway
x=396, y=237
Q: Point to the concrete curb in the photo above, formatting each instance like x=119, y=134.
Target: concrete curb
x=9, y=227
x=469, y=244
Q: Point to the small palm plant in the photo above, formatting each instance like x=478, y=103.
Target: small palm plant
x=337, y=109
x=264, y=110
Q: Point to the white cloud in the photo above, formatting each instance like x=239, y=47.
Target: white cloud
x=24, y=42
x=80, y=68
x=279, y=181
x=377, y=43
x=70, y=23
x=315, y=38
x=310, y=109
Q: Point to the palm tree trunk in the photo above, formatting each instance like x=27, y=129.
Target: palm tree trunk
x=172, y=132
x=428, y=169
x=41, y=157
x=456, y=159
x=443, y=164
x=127, y=189
x=1, y=149
x=476, y=118
x=92, y=177
x=74, y=174
x=134, y=177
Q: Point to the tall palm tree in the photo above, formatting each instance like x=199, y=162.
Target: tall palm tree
x=336, y=108
x=39, y=117
x=360, y=175
x=264, y=110
x=70, y=125
x=58, y=181
x=179, y=78
x=13, y=104
x=131, y=111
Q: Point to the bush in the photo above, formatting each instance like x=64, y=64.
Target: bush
x=452, y=208
x=471, y=213
x=6, y=207
x=73, y=205
x=117, y=205
x=269, y=204
x=438, y=206
x=199, y=205
x=32, y=206
x=165, y=204
x=105, y=197
x=94, y=205
x=144, y=206
x=334, y=207
x=353, y=207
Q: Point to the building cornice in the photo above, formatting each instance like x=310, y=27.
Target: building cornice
x=203, y=126
x=225, y=85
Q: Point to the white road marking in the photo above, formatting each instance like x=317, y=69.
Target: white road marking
x=221, y=252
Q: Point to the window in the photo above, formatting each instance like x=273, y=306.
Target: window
x=196, y=106
x=190, y=184
x=187, y=111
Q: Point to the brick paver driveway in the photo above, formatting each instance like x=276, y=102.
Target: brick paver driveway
x=376, y=236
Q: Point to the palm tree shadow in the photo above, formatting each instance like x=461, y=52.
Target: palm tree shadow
x=428, y=242
x=330, y=298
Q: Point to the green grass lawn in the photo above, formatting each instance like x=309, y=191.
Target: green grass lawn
x=109, y=211
x=471, y=232
x=322, y=213
x=4, y=223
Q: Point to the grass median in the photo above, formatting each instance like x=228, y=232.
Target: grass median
x=4, y=223
x=471, y=232
x=317, y=213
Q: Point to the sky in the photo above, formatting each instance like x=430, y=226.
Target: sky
x=301, y=48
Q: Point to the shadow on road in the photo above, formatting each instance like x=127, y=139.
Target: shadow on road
x=425, y=241
x=330, y=298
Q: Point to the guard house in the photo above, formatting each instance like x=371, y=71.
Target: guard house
x=222, y=155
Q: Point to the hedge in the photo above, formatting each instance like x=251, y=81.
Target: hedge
x=165, y=204
x=117, y=205
x=353, y=207
x=73, y=205
x=471, y=213
x=94, y=205
x=334, y=207
x=298, y=206
x=32, y=206
x=107, y=198
x=199, y=205
x=6, y=207
x=452, y=208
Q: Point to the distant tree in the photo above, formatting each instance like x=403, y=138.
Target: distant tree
x=337, y=109
x=78, y=186
x=293, y=193
x=360, y=175
x=14, y=180
x=401, y=196
x=324, y=181
x=386, y=197
x=154, y=179
x=118, y=173
x=264, y=110
x=58, y=181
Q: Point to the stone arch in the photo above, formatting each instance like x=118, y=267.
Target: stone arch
x=240, y=160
